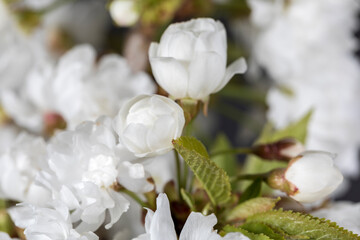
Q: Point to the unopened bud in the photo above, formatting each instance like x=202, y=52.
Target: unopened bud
x=309, y=177
x=283, y=150
x=52, y=122
x=278, y=181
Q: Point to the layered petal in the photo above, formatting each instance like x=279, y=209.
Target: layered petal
x=239, y=66
x=171, y=75
x=205, y=72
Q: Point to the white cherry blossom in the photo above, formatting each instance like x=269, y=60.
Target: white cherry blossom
x=308, y=48
x=160, y=226
x=19, y=166
x=190, y=60
x=85, y=168
x=76, y=88
x=47, y=223
x=147, y=124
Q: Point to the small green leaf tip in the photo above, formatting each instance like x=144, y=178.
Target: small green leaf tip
x=213, y=178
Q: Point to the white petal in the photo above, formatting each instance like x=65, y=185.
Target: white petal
x=153, y=50
x=199, y=227
x=121, y=206
x=162, y=226
x=68, y=197
x=212, y=42
x=148, y=219
x=133, y=177
x=179, y=45
x=171, y=75
x=22, y=215
x=239, y=66
x=80, y=57
x=206, y=71
x=133, y=138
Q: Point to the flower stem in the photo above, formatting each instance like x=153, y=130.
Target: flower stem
x=233, y=151
x=185, y=177
x=178, y=171
x=263, y=176
x=135, y=197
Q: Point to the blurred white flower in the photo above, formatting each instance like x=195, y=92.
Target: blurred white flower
x=313, y=175
x=190, y=60
x=307, y=47
x=76, y=19
x=85, y=167
x=159, y=225
x=8, y=135
x=5, y=236
x=51, y=222
x=147, y=124
x=14, y=43
x=76, y=89
x=345, y=214
x=19, y=166
x=123, y=12
x=38, y=4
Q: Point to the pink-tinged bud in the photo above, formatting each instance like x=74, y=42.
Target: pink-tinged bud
x=52, y=122
x=278, y=181
x=309, y=177
x=283, y=150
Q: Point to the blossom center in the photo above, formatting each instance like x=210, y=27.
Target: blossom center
x=101, y=171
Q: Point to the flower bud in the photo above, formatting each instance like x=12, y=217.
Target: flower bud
x=147, y=124
x=190, y=60
x=309, y=177
x=123, y=12
x=52, y=122
x=283, y=150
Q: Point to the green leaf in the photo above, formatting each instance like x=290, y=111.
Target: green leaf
x=251, y=207
x=258, y=228
x=252, y=236
x=188, y=199
x=296, y=130
x=228, y=162
x=213, y=178
x=269, y=134
x=252, y=191
x=297, y=224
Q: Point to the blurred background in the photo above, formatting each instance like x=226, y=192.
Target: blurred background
x=302, y=55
